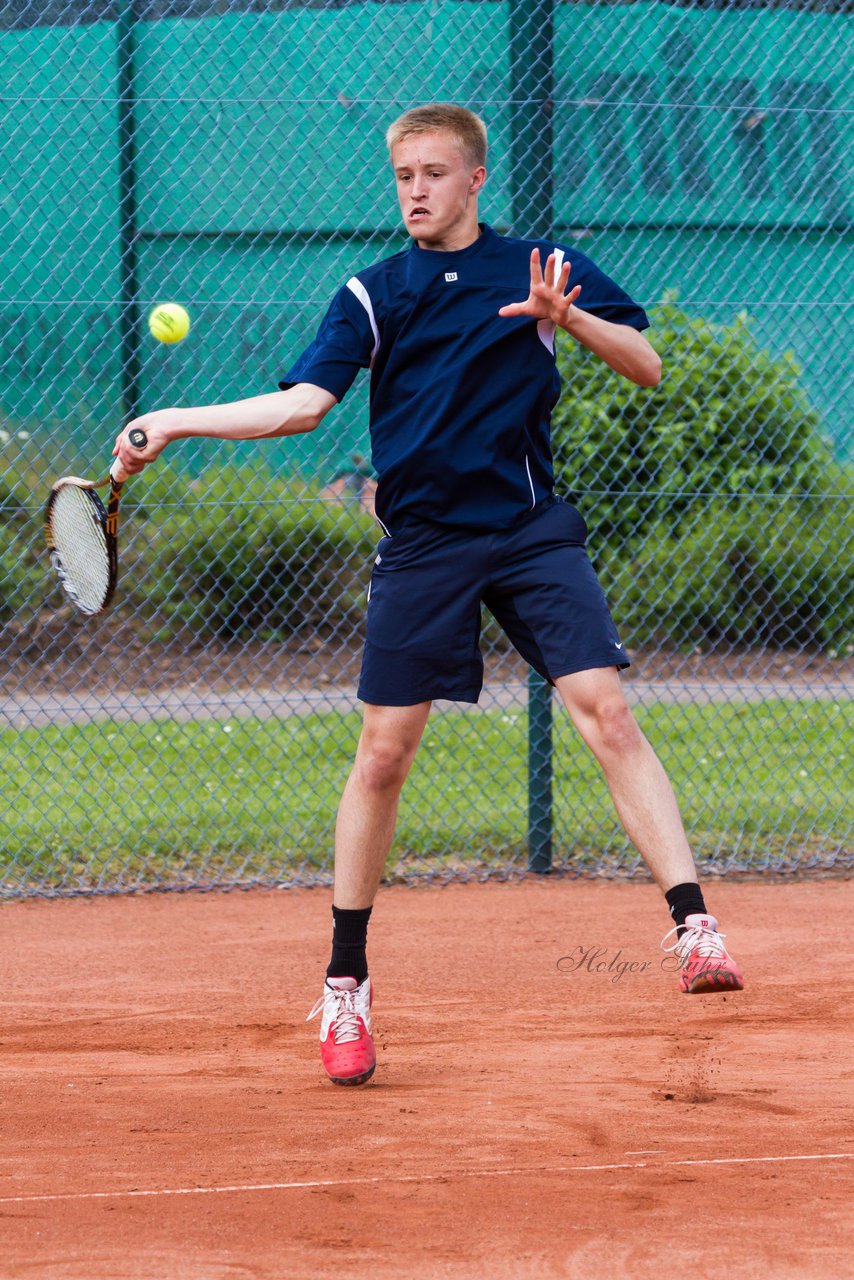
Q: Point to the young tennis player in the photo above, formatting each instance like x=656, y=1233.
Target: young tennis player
x=463, y=383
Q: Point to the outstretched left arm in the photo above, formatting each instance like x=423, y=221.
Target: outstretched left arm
x=619, y=345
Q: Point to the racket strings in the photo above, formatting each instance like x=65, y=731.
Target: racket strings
x=80, y=554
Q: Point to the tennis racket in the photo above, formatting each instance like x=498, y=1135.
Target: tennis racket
x=82, y=535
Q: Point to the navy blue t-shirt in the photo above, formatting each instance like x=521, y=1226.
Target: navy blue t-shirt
x=461, y=398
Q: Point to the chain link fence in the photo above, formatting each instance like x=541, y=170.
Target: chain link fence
x=229, y=156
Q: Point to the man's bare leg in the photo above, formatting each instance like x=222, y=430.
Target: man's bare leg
x=647, y=808
x=368, y=811
x=640, y=788
x=363, y=835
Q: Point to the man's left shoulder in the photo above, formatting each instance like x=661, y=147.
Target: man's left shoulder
x=522, y=246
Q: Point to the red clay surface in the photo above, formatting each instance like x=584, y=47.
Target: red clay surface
x=524, y=1120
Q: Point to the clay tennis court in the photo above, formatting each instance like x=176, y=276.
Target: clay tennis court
x=164, y=1112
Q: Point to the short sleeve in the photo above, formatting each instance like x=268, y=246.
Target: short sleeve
x=346, y=342
x=602, y=296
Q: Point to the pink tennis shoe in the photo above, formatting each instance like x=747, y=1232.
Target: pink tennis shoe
x=346, y=1047
x=705, y=964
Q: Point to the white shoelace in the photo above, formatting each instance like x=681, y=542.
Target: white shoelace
x=707, y=943
x=345, y=1020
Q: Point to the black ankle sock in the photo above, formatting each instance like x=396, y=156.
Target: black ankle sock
x=349, y=938
x=685, y=900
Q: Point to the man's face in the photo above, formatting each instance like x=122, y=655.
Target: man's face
x=437, y=189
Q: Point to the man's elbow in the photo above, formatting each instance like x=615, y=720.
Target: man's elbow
x=649, y=374
x=312, y=405
x=311, y=420
x=296, y=424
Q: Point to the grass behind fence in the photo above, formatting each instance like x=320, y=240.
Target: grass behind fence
x=135, y=805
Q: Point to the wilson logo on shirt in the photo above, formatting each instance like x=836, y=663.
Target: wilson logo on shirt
x=450, y=275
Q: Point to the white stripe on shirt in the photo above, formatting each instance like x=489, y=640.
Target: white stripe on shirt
x=359, y=291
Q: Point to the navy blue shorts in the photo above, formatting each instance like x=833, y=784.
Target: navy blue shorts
x=424, y=610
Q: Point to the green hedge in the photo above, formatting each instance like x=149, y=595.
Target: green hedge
x=19, y=575
x=715, y=510
x=750, y=573
x=726, y=418
x=22, y=568
x=247, y=554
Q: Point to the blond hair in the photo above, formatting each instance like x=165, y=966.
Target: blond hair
x=467, y=129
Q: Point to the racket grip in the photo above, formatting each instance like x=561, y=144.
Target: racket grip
x=139, y=440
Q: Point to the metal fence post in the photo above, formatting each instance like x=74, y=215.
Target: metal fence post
x=128, y=258
x=531, y=110
x=539, y=774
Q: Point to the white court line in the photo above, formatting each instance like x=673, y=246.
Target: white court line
x=417, y=1177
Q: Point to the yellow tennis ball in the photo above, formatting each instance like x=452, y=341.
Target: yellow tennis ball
x=169, y=322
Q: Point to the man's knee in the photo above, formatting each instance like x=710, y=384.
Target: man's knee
x=615, y=729
x=382, y=762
